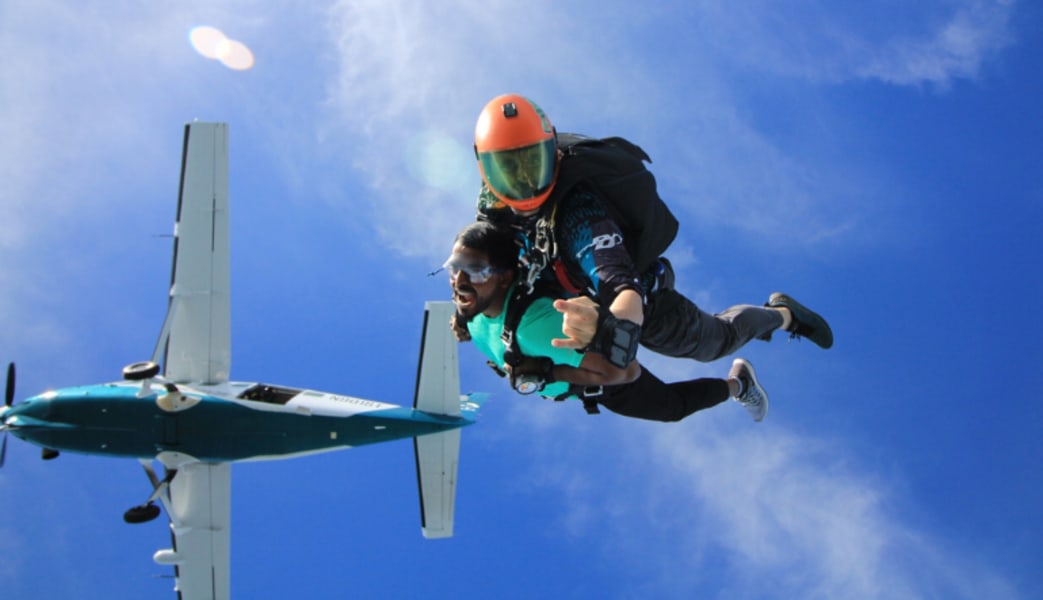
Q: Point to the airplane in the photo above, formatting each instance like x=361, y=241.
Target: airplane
x=181, y=409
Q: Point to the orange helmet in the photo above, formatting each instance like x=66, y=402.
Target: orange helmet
x=517, y=151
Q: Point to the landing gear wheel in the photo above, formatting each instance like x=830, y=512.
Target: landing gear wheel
x=140, y=370
x=141, y=514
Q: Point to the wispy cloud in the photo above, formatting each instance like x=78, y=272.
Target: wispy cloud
x=933, y=42
x=90, y=95
x=800, y=512
x=409, y=79
x=725, y=166
x=90, y=82
x=404, y=81
x=777, y=513
x=90, y=98
x=955, y=48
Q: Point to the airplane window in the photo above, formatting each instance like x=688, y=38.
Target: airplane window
x=269, y=393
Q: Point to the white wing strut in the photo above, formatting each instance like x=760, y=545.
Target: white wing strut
x=438, y=392
x=195, y=343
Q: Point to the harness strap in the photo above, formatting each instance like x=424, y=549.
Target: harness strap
x=496, y=369
x=516, y=307
x=539, y=252
x=587, y=393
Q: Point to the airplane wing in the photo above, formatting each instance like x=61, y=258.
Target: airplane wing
x=195, y=342
x=199, y=506
x=194, y=346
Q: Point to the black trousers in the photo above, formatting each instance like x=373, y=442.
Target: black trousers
x=648, y=397
x=675, y=326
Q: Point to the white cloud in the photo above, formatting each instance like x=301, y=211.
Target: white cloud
x=931, y=42
x=407, y=79
x=731, y=173
x=954, y=49
x=410, y=78
x=89, y=95
x=93, y=104
x=778, y=514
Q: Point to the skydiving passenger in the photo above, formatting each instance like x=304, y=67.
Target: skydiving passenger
x=483, y=272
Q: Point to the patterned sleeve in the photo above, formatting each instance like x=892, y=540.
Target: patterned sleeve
x=591, y=246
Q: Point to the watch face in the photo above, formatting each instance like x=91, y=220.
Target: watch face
x=527, y=384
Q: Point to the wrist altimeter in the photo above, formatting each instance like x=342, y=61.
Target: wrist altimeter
x=531, y=382
x=616, y=339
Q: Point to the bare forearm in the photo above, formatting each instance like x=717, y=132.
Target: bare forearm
x=628, y=305
x=596, y=370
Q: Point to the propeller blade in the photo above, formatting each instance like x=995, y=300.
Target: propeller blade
x=3, y=450
x=9, y=394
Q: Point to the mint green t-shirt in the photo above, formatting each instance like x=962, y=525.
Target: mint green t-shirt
x=539, y=325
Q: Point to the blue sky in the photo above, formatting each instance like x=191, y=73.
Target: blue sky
x=880, y=162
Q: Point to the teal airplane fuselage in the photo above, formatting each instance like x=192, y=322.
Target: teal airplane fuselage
x=212, y=424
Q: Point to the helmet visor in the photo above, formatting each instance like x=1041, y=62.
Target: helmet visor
x=521, y=173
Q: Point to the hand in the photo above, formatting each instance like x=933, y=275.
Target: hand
x=580, y=323
x=459, y=328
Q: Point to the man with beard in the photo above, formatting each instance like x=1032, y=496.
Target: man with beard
x=483, y=275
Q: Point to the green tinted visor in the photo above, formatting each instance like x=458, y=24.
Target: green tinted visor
x=521, y=173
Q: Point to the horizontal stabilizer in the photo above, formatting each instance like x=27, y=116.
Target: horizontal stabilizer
x=437, y=457
x=438, y=376
x=437, y=392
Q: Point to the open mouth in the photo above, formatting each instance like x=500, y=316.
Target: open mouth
x=464, y=297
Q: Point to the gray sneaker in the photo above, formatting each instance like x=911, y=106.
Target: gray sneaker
x=806, y=322
x=753, y=396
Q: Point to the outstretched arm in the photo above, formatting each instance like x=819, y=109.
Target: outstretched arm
x=596, y=370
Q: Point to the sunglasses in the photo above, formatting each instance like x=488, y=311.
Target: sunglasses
x=476, y=272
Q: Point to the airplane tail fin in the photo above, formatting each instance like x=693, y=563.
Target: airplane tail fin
x=438, y=393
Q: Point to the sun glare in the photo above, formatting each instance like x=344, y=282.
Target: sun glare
x=215, y=45
x=235, y=55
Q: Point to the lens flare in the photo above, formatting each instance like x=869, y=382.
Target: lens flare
x=206, y=40
x=215, y=45
x=235, y=55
